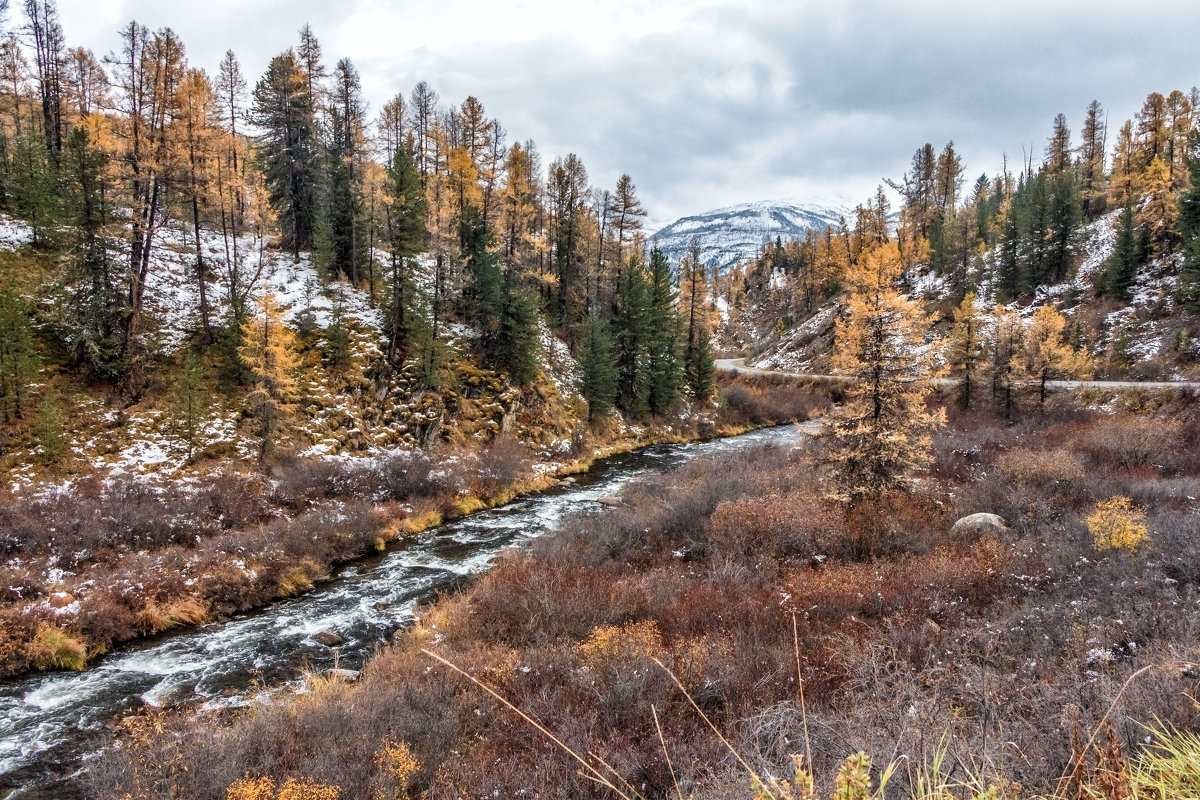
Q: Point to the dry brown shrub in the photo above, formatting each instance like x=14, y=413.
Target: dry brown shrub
x=796, y=524
x=895, y=523
x=1126, y=441
x=1040, y=468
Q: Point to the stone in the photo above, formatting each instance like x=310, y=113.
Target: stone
x=328, y=638
x=344, y=675
x=612, y=502
x=977, y=525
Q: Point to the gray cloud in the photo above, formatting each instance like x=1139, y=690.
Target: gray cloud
x=738, y=100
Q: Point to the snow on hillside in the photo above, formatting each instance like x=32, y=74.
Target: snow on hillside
x=736, y=233
x=1142, y=331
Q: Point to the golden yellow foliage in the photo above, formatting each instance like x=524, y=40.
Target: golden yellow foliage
x=609, y=643
x=308, y=789
x=1117, y=525
x=398, y=765
x=880, y=435
x=293, y=789
x=251, y=789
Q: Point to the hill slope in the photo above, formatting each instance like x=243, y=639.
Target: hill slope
x=736, y=233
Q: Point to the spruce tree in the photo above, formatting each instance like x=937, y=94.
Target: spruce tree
x=289, y=156
x=18, y=358
x=1188, y=224
x=598, y=368
x=663, y=364
x=191, y=401
x=1123, y=265
x=516, y=346
x=405, y=223
x=632, y=322
x=96, y=304
x=702, y=369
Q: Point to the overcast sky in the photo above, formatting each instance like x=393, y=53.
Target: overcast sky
x=714, y=102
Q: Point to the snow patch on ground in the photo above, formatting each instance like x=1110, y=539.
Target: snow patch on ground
x=14, y=233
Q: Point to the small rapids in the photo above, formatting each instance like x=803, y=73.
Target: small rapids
x=52, y=725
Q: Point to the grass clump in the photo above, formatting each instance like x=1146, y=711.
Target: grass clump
x=54, y=648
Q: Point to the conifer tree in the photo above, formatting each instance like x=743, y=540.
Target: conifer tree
x=18, y=357
x=405, y=226
x=880, y=435
x=1006, y=343
x=190, y=400
x=702, y=369
x=346, y=218
x=664, y=367
x=49, y=429
x=268, y=351
x=1044, y=353
x=1127, y=258
x=632, y=323
x=517, y=338
x=598, y=368
x=284, y=112
x=96, y=305
x=1188, y=223
x=964, y=348
x=1092, y=190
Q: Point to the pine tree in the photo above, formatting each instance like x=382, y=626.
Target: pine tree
x=880, y=435
x=964, y=349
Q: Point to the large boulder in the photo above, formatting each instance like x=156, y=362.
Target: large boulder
x=973, y=526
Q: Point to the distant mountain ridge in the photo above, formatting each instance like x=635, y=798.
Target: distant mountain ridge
x=736, y=233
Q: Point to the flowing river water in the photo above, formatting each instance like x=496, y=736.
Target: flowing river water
x=52, y=725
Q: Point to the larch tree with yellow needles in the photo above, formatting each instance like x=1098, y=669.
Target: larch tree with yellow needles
x=880, y=435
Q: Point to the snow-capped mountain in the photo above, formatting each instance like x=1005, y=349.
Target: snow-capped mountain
x=729, y=235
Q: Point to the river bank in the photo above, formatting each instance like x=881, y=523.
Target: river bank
x=108, y=563
x=48, y=724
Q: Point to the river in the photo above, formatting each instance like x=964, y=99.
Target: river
x=52, y=725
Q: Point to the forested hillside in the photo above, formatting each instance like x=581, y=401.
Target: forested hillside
x=232, y=266
x=1105, y=229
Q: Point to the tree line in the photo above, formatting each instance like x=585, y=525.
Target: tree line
x=428, y=207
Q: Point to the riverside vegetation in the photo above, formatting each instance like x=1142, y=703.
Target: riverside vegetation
x=1056, y=657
